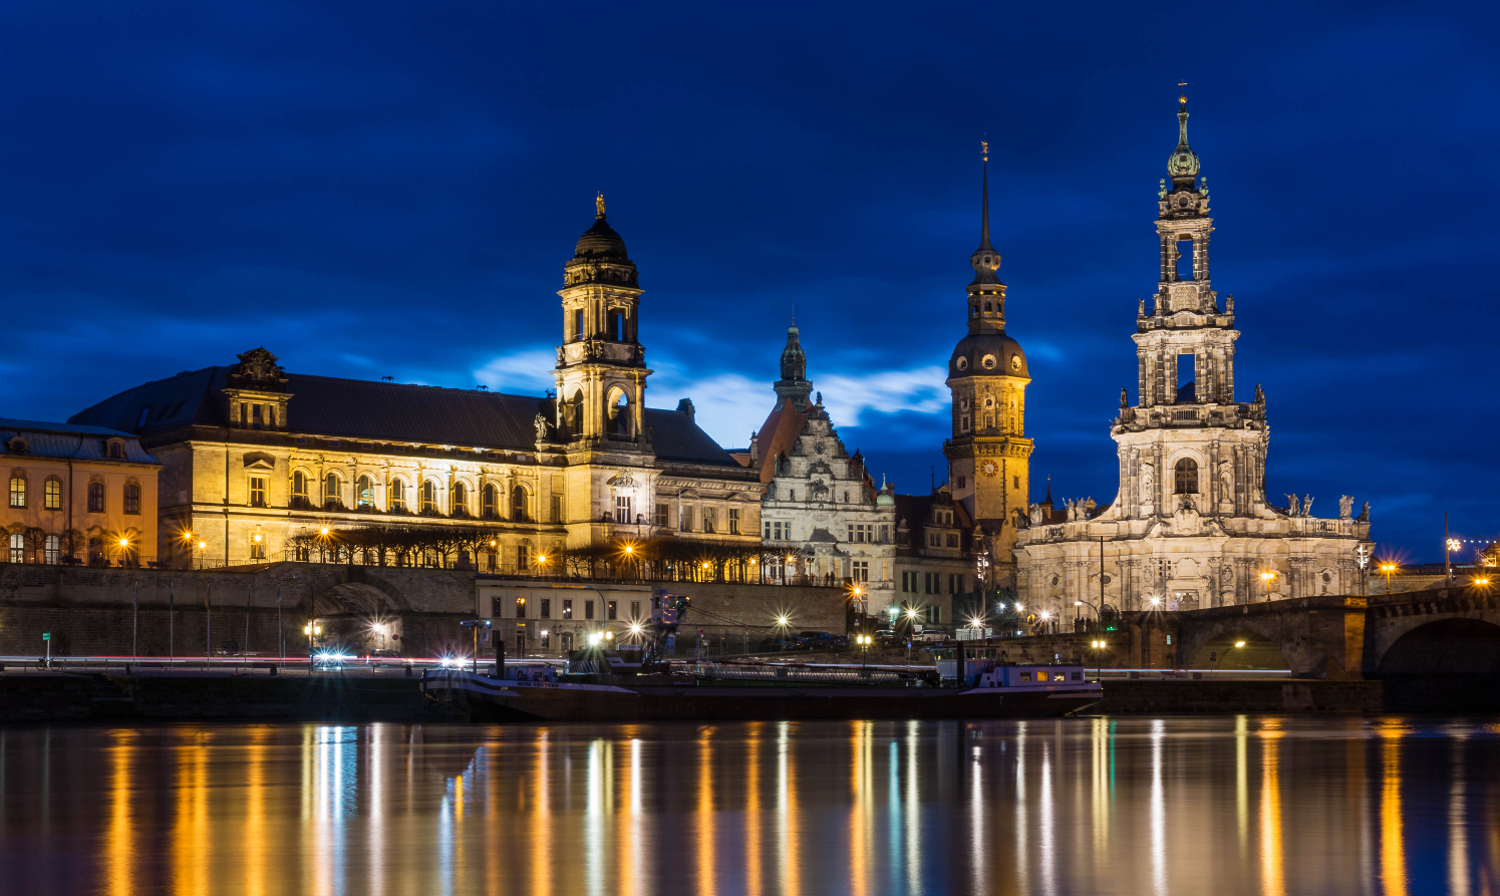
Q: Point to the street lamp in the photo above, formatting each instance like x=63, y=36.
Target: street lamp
x=313, y=632
x=1268, y=578
x=1388, y=569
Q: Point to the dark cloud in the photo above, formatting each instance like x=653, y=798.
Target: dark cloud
x=374, y=189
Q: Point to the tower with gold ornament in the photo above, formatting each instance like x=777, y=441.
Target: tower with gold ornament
x=989, y=454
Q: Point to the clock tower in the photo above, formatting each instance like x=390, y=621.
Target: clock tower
x=989, y=454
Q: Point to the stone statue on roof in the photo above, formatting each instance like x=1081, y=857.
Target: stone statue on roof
x=1346, y=507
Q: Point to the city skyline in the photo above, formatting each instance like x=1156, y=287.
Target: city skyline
x=415, y=212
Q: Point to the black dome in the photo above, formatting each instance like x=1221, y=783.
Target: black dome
x=971, y=352
x=600, y=243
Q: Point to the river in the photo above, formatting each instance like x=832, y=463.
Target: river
x=1192, y=805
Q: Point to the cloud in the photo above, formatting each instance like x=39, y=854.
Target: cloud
x=529, y=370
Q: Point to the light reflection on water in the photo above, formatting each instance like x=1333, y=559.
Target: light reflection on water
x=1263, y=805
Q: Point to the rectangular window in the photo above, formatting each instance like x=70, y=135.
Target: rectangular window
x=963, y=423
x=18, y=491
x=520, y=608
x=255, y=416
x=885, y=533
x=492, y=560
x=257, y=491
x=635, y=609
x=861, y=570
x=963, y=482
x=934, y=615
x=588, y=609
x=258, y=550
x=734, y=521
x=622, y=509
x=52, y=494
x=546, y=608
x=710, y=520
x=935, y=540
x=685, y=519
x=609, y=610
x=567, y=608
x=557, y=508
x=523, y=557
x=17, y=547
x=661, y=515
x=951, y=540
x=1025, y=676
x=96, y=497
x=52, y=549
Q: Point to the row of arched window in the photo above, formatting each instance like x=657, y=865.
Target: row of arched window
x=401, y=497
x=52, y=495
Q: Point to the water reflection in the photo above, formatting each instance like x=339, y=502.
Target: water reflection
x=1233, y=805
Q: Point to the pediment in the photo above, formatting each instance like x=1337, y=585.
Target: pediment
x=259, y=460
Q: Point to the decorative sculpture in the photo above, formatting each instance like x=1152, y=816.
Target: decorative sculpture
x=1346, y=507
x=1036, y=514
x=599, y=205
x=1307, y=506
x=541, y=427
x=1124, y=399
x=1291, y=506
x=1140, y=311
x=1364, y=515
x=1226, y=481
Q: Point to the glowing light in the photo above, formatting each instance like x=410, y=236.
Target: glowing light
x=1239, y=643
x=202, y=545
x=636, y=628
x=323, y=531
x=540, y=558
x=256, y=539
x=630, y=549
x=1267, y=576
x=1453, y=544
x=782, y=620
x=125, y=542
x=1019, y=608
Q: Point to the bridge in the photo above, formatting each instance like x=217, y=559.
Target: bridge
x=1449, y=631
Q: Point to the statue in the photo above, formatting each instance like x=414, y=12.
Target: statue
x=1072, y=509
x=1260, y=394
x=1226, y=481
x=1307, y=506
x=1346, y=507
x=1229, y=304
x=599, y=205
x=1036, y=515
x=541, y=427
x=1161, y=190
x=1291, y=506
x=1124, y=399
x=1364, y=515
x=1140, y=310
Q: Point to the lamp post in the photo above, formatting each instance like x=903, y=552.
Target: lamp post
x=1388, y=569
x=1449, y=546
x=1268, y=578
x=313, y=632
x=1097, y=617
x=1098, y=648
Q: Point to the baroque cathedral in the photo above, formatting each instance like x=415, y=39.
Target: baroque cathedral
x=1191, y=525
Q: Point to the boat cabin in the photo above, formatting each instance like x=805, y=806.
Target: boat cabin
x=983, y=669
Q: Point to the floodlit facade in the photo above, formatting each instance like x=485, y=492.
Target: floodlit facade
x=1191, y=525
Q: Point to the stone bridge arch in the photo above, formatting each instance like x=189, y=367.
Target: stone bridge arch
x=1397, y=616
x=1321, y=637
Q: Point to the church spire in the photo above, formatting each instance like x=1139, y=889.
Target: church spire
x=984, y=227
x=986, y=298
x=794, y=383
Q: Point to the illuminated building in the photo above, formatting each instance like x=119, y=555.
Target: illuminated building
x=1191, y=523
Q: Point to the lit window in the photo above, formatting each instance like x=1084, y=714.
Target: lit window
x=52, y=494
x=429, y=497
x=331, y=491
x=491, y=502
x=17, y=547
x=364, y=493
x=460, y=499
x=734, y=521
x=52, y=550
x=18, y=491
x=622, y=509
x=661, y=515
x=299, y=490
x=518, y=505
x=398, y=496
x=710, y=520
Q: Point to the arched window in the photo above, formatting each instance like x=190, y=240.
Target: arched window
x=331, y=491
x=364, y=493
x=398, y=496
x=619, y=414
x=429, y=497
x=491, y=502
x=299, y=490
x=518, y=505
x=17, y=547
x=1187, y=476
x=52, y=549
x=17, y=490
x=460, y=499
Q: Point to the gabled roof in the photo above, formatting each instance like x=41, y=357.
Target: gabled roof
x=777, y=434
x=379, y=412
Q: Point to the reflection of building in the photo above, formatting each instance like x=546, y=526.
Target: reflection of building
x=254, y=456
x=989, y=454
x=1191, y=521
x=77, y=494
x=822, y=518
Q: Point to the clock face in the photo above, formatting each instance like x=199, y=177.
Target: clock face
x=989, y=468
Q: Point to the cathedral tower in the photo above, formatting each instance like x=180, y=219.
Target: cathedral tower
x=794, y=383
x=601, y=365
x=988, y=455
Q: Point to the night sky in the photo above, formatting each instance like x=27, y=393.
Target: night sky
x=392, y=189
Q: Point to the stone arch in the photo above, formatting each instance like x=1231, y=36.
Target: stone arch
x=1286, y=632
x=1222, y=651
x=1452, y=646
x=619, y=412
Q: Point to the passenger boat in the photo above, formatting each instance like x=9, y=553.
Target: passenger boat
x=617, y=685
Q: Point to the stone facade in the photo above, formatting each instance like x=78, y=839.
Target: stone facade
x=253, y=457
x=1191, y=525
x=822, y=518
x=76, y=494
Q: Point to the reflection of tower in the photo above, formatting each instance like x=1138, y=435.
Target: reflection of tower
x=989, y=454
x=601, y=366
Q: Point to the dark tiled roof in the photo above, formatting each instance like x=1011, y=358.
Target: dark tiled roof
x=381, y=412
x=68, y=440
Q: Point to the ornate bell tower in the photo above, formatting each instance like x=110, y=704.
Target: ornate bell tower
x=989, y=454
x=601, y=365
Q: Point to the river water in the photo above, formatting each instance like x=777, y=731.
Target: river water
x=1218, y=805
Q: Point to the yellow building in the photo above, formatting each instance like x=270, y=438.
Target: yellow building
x=256, y=461
x=77, y=494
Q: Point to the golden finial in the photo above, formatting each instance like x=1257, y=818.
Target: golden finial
x=599, y=204
x=985, y=149
x=1183, y=98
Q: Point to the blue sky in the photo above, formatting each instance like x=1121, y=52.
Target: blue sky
x=378, y=189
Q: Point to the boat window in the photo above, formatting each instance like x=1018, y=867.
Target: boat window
x=1078, y=676
x=1025, y=676
x=1041, y=676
